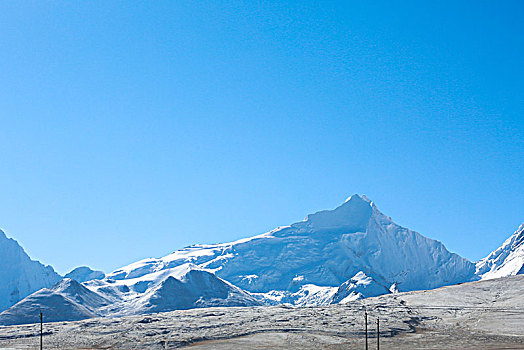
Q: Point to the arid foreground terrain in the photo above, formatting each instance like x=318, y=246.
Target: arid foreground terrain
x=478, y=315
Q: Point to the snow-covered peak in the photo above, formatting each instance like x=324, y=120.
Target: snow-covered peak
x=84, y=274
x=67, y=285
x=357, y=197
x=361, y=278
x=357, y=287
x=19, y=275
x=67, y=300
x=507, y=260
x=352, y=216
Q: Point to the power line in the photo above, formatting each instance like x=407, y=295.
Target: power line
x=451, y=307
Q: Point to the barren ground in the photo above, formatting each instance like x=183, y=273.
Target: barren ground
x=478, y=315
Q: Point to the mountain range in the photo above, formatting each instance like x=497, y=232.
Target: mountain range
x=332, y=256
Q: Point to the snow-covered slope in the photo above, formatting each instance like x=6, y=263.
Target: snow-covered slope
x=507, y=260
x=68, y=300
x=358, y=287
x=307, y=295
x=326, y=249
x=84, y=274
x=311, y=295
x=19, y=275
x=183, y=287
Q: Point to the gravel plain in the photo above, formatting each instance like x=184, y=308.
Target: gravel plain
x=477, y=315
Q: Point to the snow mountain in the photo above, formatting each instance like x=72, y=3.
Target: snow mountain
x=326, y=249
x=19, y=275
x=84, y=274
x=507, y=260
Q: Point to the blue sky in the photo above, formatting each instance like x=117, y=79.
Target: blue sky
x=132, y=129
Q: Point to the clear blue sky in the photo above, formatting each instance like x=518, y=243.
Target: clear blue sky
x=131, y=129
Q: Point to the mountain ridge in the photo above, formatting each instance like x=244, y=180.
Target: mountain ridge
x=19, y=274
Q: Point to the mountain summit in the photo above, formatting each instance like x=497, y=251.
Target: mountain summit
x=352, y=215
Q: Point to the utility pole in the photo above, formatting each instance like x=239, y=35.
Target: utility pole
x=378, y=335
x=366, y=322
x=41, y=330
